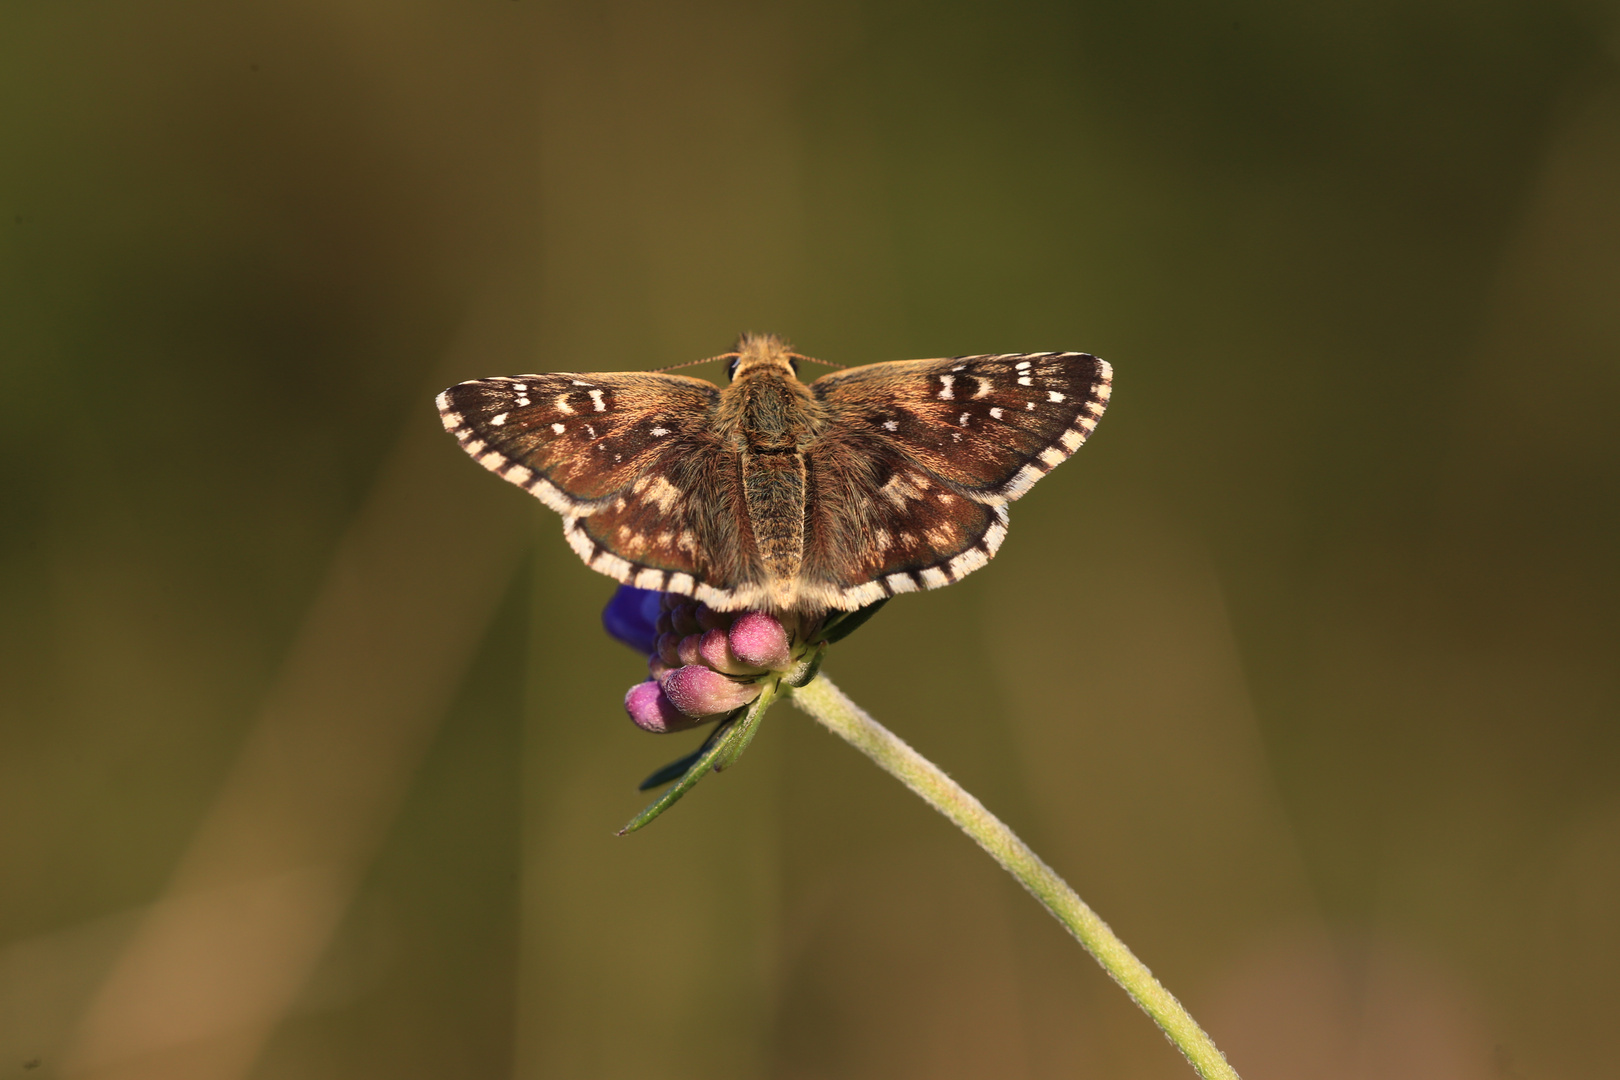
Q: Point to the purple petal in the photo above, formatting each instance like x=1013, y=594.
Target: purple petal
x=701, y=691
x=759, y=639
x=653, y=711
x=632, y=617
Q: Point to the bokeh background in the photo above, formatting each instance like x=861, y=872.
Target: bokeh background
x=1305, y=671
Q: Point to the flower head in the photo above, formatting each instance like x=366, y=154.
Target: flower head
x=704, y=663
x=724, y=667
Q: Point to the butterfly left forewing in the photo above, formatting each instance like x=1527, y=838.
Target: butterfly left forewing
x=627, y=459
x=573, y=439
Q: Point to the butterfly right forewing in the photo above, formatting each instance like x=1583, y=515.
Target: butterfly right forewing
x=920, y=458
x=992, y=425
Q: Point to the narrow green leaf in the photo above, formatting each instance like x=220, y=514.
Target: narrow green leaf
x=676, y=769
x=747, y=726
x=723, y=748
x=843, y=626
x=694, y=772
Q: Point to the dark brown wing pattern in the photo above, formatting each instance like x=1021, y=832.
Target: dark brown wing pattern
x=920, y=458
x=905, y=482
x=992, y=425
x=878, y=524
x=648, y=495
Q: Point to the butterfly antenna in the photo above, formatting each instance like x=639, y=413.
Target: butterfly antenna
x=813, y=360
x=695, y=363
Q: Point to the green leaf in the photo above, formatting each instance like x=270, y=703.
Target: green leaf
x=727, y=743
x=676, y=769
x=747, y=726
x=807, y=669
x=841, y=626
x=694, y=772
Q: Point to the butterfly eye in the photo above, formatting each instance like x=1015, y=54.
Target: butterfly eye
x=731, y=369
x=794, y=364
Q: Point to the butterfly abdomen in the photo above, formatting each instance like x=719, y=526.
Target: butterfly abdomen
x=774, y=489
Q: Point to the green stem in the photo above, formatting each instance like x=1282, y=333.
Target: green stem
x=828, y=705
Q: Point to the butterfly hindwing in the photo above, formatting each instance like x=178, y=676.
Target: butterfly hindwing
x=878, y=524
x=682, y=527
x=991, y=425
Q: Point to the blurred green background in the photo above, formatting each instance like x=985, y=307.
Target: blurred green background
x=1304, y=671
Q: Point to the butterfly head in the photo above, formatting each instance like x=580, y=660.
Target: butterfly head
x=760, y=353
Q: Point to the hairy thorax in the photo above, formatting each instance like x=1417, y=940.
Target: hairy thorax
x=769, y=418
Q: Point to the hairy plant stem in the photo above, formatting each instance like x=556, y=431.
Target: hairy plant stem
x=827, y=704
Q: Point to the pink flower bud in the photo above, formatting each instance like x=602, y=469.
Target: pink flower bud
x=700, y=691
x=651, y=710
x=715, y=651
x=669, y=649
x=759, y=639
x=710, y=619
x=688, y=649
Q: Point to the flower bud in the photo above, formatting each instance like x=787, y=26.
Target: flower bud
x=651, y=710
x=669, y=649
x=714, y=649
x=684, y=620
x=699, y=691
x=710, y=619
x=759, y=639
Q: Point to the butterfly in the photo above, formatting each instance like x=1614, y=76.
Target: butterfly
x=774, y=494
